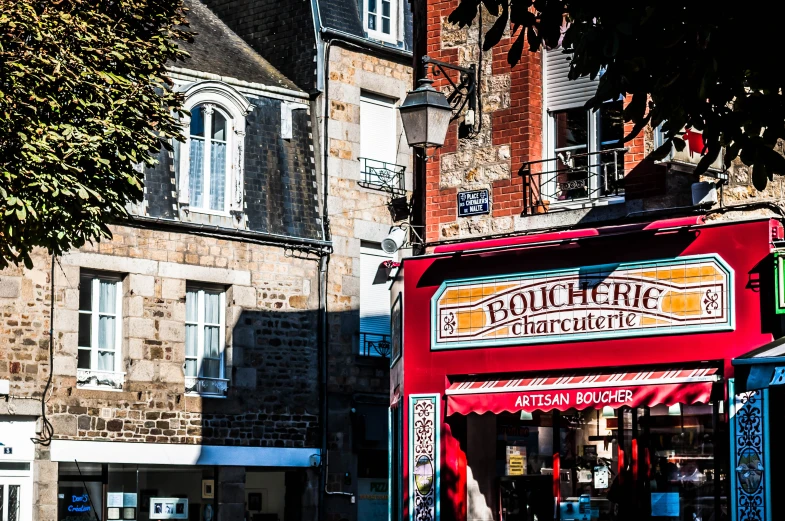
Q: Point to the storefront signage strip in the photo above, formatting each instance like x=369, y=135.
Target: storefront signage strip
x=562, y=400
x=663, y=297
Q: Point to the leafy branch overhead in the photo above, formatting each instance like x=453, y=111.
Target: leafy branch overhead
x=84, y=105
x=684, y=64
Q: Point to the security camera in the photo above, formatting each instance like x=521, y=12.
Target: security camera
x=394, y=240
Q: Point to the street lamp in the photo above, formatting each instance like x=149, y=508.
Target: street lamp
x=425, y=115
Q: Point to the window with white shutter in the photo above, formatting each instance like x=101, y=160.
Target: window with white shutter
x=374, y=303
x=379, y=143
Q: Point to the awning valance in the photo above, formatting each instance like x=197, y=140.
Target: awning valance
x=634, y=389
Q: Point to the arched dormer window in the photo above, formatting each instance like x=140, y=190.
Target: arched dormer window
x=210, y=162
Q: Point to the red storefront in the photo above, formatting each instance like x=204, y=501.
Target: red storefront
x=578, y=375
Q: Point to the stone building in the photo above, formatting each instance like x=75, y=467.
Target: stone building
x=173, y=371
x=354, y=58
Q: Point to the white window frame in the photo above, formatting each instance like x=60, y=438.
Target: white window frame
x=200, y=325
x=214, y=95
x=377, y=34
x=95, y=313
x=593, y=145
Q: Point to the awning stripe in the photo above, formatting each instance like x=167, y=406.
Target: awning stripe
x=481, y=385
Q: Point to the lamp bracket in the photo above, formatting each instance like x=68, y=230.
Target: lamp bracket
x=463, y=91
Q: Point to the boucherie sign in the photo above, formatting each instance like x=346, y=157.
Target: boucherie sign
x=663, y=297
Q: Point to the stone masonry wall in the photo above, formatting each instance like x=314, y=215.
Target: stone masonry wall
x=271, y=355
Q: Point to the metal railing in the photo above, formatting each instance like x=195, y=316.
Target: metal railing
x=378, y=175
x=572, y=178
x=205, y=386
x=374, y=344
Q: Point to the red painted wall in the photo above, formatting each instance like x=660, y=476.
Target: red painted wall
x=744, y=246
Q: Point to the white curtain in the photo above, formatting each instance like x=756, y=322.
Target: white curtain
x=196, y=173
x=191, y=330
x=107, y=321
x=212, y=349
x=217, y=175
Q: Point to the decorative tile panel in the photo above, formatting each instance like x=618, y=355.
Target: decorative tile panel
x=424, y=428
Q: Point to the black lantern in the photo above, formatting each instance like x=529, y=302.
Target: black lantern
x=425, y=114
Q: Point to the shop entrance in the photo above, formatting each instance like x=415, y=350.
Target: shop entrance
x=15, y=498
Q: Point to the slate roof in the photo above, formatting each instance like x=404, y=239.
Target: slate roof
x=345, y=15
x=218, y=50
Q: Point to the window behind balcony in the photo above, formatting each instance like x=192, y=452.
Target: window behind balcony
x=99, y=360
x=374, y=303
x=205, y=320
x=584, y=145
x=378, y=143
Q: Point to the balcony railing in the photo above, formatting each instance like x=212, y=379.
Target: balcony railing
x=99, y=379
x=373, y=344
x=204, y=386
x=378, y=175
x=572, y=180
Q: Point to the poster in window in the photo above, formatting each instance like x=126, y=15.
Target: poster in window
x=602, y=476
x=396, y=329
x=168, y=508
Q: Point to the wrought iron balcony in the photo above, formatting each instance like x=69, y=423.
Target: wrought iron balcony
x=373, y=344
x=89, y=378
x=205, y=386
x=572, y=181
x=378, y=175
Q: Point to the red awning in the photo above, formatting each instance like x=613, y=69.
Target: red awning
x=482, y=394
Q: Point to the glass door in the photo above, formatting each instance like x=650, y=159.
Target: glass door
x=15, y=500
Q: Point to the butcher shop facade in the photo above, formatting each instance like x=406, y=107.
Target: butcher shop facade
x=584, y=375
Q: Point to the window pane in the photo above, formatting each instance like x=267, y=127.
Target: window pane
x=191, y=340
x=13, y=502
x=105, y=361
x=211, y=369
x=196, y=173
x=197, y=122
x=611, y=124
x=386, y=25
x=385, y=9
x=371, y=22
x=190, y=368
x=106, y=332
x=211, y=346
x=219, y=127
x=83, y=362
x=217, y=175
x=572, y=129
x=85, y=293
x=212, y=308
x=372, y=7
x=85, y=330
x=107, y=296
x=191, y=301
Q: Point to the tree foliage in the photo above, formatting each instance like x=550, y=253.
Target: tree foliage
x=690, y=64
x=84, y=105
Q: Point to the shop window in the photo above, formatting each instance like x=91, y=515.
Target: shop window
x=205, y=337
x=604, y=465
x=99, y=359
x=374, y=304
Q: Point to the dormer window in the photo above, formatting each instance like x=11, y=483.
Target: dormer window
x=210, y=161
x=381, y=19
x=209, y=170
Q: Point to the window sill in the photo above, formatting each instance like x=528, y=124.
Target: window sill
x=99, y=380
x=206, y=387
x=578, y=204
x=381, y=37
x=207, y=211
